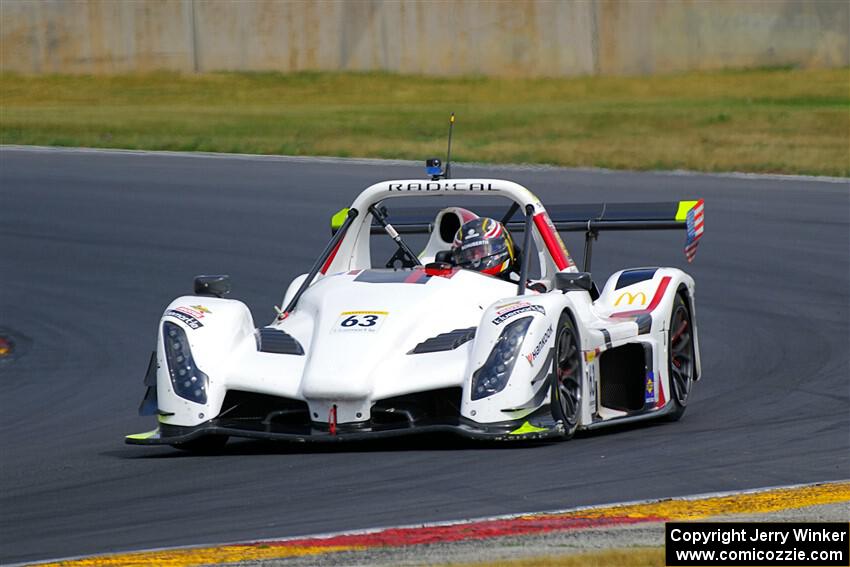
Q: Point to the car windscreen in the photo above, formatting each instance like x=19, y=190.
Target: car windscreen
x=414, y=218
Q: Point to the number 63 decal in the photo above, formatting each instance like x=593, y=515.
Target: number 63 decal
x=368, y=321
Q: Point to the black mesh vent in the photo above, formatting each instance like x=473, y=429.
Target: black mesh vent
x=445, y=341
x=433, y=406
x=241, y=406
x=277, y=342
x=623, y=377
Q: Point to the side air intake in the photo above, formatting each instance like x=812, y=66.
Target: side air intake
x=277, y=342
x=445, y=341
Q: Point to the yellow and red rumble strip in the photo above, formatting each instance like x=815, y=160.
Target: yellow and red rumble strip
x=693, y=508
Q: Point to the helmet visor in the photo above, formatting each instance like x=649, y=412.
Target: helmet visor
x=480, y=254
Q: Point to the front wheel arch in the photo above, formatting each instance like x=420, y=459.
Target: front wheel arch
x=567, y=374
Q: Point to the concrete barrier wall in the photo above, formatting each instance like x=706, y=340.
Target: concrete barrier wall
x=435, y=37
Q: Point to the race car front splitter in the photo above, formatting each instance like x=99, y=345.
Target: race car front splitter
x=533, y=428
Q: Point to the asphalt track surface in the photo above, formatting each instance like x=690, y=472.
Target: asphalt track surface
x=94, y=245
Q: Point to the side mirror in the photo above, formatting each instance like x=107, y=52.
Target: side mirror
x=443, y=256
x=215, y=286
x=571, y=281
x=438, y=269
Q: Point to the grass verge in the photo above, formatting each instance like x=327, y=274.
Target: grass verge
x=780, y=121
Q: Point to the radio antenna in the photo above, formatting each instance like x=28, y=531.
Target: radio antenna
x=448, y=173
x=433, y=167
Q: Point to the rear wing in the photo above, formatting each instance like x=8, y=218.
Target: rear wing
x=588, y=218
x=593, y=219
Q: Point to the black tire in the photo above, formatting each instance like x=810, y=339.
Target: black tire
x=566, y=376
x=681, y=364
x=206, y=445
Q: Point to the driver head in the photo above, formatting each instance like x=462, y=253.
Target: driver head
x=484, y=245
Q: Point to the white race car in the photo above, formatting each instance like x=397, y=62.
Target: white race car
x=425, y=346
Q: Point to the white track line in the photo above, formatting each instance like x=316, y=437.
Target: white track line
x=367, y=531
x=375, y=161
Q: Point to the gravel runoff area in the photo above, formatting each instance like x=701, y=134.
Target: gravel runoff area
x=552, y=544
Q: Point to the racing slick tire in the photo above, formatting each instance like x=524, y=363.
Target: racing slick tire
x=566, y=376
x=206, y=445
x=680, y=362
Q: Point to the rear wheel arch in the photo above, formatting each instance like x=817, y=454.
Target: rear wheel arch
x=686, y=293
x=681, y=356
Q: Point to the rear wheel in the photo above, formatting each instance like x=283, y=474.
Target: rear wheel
x=566, y=379
x=206, y=445
x=681, y=357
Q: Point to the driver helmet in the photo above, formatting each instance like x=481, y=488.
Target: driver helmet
x=484, y=245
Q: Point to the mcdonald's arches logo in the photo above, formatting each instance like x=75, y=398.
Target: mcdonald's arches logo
x=631, y=298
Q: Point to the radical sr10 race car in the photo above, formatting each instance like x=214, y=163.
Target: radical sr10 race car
x=421, y=345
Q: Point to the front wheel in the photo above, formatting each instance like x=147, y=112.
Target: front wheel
x=681, y=357
x=566, y=378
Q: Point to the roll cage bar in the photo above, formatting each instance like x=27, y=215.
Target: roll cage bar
x=351, y=228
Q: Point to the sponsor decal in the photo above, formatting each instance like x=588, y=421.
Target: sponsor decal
x=505, y=312
x=644, y=326
x=591, y=382
x=188, y=320
x=440, y=186
x=360, y=321
x=532, y=356
x=631, y=298
x=590, y=355
x=507, y=306
x=196, y=311
x=650, y=389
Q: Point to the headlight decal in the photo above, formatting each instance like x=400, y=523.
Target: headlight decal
x=186, y=378
x=493, y=376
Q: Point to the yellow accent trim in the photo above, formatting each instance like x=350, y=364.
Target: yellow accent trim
x=365, y=313
x=452, y=118
x=145, y=435
x=527, y=428
x=684, y=207
x=751, y=503
x=511, y=248
x=339, y=218
x=204, y=556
